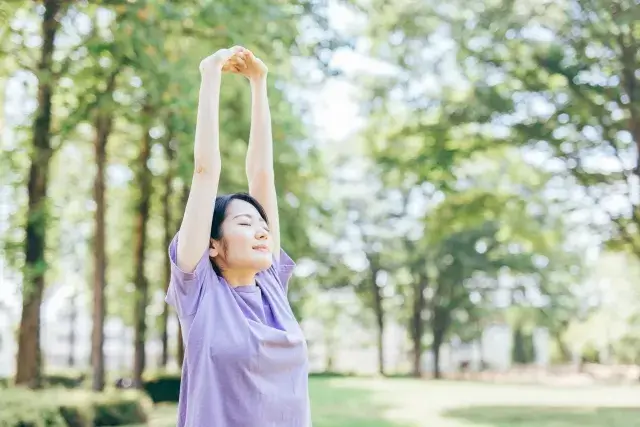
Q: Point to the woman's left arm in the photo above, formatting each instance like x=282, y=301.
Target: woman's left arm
x=259, y=162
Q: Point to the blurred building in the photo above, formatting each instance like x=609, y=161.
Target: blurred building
x=66, y=339
x=339, y=339
x=66, y=336
x=338, y=342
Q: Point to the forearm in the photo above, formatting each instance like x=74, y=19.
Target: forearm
x=206, y=150
x=259, y=162
x=196, y=222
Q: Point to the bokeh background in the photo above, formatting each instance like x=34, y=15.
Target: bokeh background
x=458, y=184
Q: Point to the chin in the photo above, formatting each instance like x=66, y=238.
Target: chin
x=262, y=261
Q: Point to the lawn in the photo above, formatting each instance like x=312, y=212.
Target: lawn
x=350, y=402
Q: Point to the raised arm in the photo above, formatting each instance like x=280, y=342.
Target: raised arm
x=259, y=162
x=193, y=237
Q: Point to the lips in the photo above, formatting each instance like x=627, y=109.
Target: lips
x=261, y=248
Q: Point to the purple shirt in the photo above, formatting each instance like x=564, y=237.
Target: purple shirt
x=245, y=361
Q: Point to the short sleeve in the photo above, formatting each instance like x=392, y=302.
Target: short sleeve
x=186, y=289
x=283, y=269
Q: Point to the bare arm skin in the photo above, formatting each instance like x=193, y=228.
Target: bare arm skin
x=259, y=161
x=195, y=229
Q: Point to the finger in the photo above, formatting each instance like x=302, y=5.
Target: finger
x=239, y=62
x=237, y=49
x=251, y=58
x=227, y=67
x=232, y=66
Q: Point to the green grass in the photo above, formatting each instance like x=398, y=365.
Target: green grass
x=351, y=402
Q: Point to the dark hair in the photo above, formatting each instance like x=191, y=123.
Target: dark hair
x=220, y=213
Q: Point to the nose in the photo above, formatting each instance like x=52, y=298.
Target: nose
x=262, y=234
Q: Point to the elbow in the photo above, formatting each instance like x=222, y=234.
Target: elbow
x=206, y=166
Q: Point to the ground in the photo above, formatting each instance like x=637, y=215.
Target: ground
x=350, y=402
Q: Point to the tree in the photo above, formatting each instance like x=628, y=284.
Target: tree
x=168, y=225
x=558, y=80
x=130, y=77
x=29, y=357
x=367, y=230
x=580, y=87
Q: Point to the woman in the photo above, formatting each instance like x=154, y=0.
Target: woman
x=245, y=359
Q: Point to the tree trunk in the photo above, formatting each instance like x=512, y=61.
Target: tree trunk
x=167, y=224
x=417, y=324
x=103, y=125
x=329, y=331
x=143, y=183
x=565, y=353
x=73, y=318
x=440, y=324
x=185, y=197
x=329, y=356
x=379, y=312
x=519, y=356
x=180, y=345
x=438, y=338
x=29, y=356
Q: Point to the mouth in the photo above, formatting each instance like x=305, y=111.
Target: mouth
x=261, y=248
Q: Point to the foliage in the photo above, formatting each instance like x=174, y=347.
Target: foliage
x=496, y=137
x=163, y=388
x=562, y=79
x=610, y=324
x=59, y=408
x=151, y=50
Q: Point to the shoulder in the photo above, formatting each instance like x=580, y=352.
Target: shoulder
x=202, y=270
x=186, y=289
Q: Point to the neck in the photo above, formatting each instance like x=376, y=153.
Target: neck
x=237, y=278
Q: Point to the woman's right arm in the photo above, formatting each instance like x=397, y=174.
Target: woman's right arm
x=195, y=229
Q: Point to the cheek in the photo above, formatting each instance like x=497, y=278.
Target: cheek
x=239, y=240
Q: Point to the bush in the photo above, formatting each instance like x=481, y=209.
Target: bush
x=62, y=408
x=163, y=388
x=62, y=379
x=331, y=374
x=120, y=408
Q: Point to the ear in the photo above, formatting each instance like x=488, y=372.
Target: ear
x=214, y=248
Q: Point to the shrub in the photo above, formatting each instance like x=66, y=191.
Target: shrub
x=120, y=408
x=63, y=408
x=331, y=374
x=63, y=379
x=163, y=388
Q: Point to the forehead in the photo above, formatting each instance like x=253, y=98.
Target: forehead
x=240, y=207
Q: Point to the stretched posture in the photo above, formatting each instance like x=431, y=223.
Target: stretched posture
x=245, y=354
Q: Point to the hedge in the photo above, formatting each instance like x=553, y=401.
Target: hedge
x=63, y=408
x=59, y=379
x=64, y=379
x=163, y=388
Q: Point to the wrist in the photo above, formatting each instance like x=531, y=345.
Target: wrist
x=258, y=81
x=210, y=66
x=210, y=71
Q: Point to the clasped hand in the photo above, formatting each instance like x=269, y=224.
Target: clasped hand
x=237, y=60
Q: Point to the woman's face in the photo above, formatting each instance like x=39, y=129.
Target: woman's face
x=246, y=240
